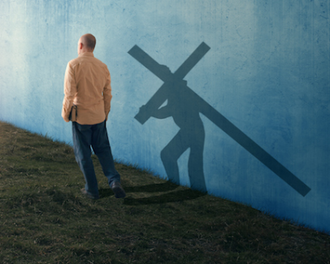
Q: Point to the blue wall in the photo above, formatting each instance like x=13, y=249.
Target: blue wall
x=267, y=73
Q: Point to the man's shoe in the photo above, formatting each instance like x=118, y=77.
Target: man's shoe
x=118, y=190
x=88, y=195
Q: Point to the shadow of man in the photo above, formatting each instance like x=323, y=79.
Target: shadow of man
x=182, y=107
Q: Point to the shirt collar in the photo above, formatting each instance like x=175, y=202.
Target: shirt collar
x=88, y=54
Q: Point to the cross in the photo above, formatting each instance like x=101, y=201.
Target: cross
x=160, y=96
x=218, y=119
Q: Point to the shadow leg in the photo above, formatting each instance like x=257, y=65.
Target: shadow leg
x=170, y=155
x=195, y=166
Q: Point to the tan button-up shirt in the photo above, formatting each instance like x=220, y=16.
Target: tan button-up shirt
x=87, y=84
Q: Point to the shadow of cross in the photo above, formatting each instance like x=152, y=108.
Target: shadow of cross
x=174, y=87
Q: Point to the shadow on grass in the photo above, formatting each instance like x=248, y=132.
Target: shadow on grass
x=151, y=188
x=176, y=196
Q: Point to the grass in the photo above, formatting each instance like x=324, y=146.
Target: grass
x=44, y=218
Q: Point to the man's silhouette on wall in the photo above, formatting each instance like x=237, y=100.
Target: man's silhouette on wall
x=184, y=105
x=191, y=135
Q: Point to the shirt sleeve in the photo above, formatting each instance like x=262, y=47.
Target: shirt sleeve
x=107, y=96
x=70, y=90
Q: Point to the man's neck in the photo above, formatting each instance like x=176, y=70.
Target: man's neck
x=85, y=51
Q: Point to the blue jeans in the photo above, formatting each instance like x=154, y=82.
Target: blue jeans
x=95, y=136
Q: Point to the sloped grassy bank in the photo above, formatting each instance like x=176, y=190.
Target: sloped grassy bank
x=44, y=218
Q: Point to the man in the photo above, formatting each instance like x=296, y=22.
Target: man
x=87, y=87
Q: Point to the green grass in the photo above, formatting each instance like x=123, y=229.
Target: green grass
x=45, y=219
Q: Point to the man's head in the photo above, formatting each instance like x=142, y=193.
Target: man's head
x=86, y=43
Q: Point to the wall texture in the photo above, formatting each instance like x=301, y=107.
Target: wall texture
x=252, y=122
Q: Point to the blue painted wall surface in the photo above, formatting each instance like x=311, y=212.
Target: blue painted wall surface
x=267, y=72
